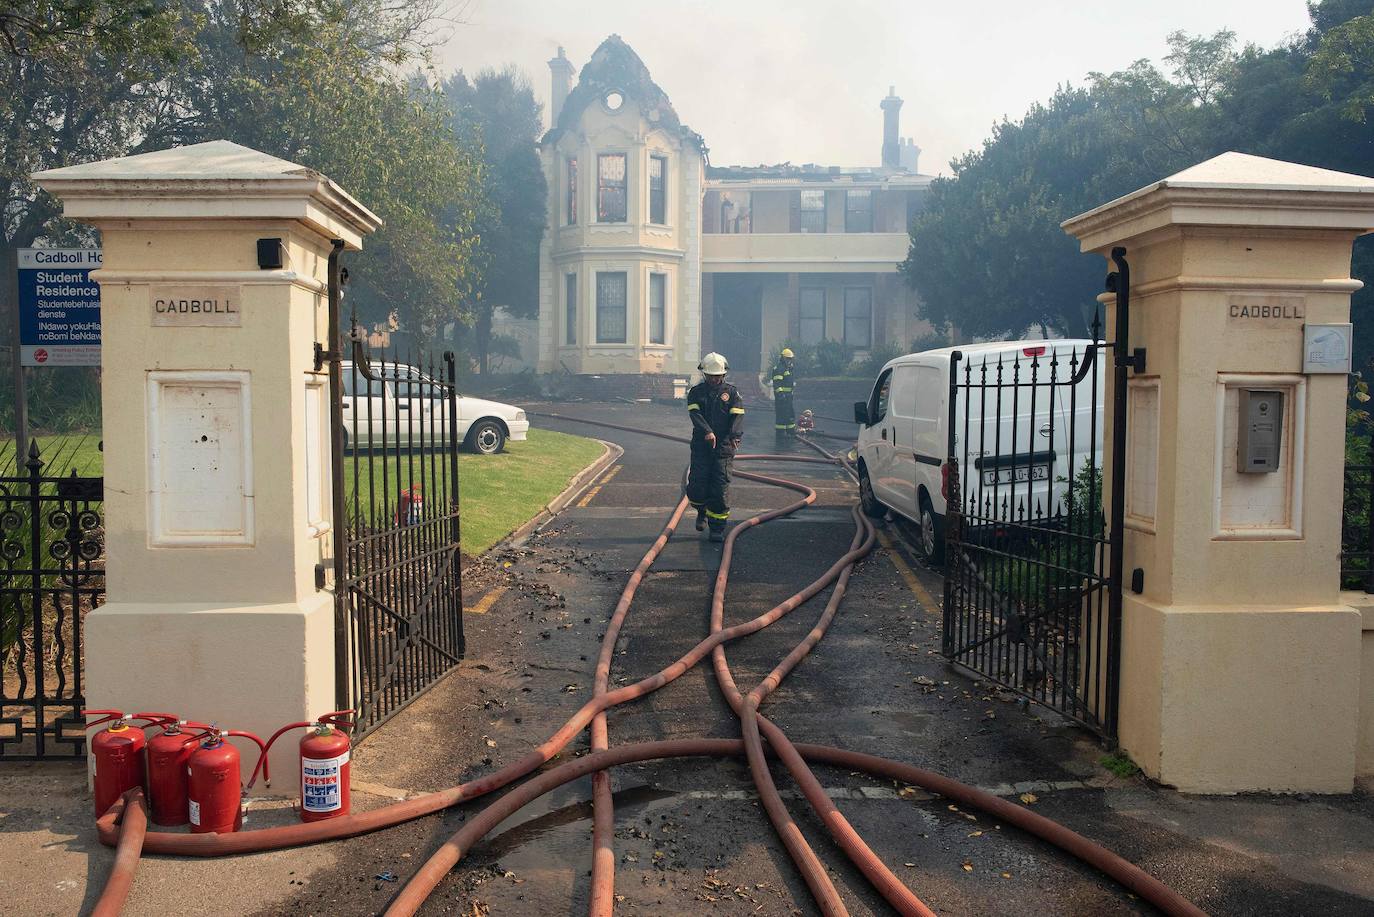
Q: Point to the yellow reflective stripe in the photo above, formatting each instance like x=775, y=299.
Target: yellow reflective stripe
x=777, y=378
x=694, y=407
x=737, y=410
x=724, y=515
x=782, y=389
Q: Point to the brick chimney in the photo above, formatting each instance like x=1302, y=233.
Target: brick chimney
x=910, y=154
x=561, y=70
x=892, y=107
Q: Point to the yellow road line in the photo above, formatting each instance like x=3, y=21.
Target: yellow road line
x=587, y=497
x=485, y=602
x=922, y=594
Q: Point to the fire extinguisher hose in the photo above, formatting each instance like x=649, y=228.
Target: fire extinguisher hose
x=132, y=811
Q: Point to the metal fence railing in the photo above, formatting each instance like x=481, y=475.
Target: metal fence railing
x=1357, y=522
x=52, y=573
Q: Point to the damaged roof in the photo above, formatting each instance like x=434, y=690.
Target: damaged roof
x=615, y=67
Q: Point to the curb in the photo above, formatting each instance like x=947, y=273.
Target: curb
x=610, y=454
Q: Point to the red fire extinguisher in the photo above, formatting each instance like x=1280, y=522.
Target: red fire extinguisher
x=117, y=757
x=169, y=752
x=325, y=769
x=214, y=796
x=410, y=507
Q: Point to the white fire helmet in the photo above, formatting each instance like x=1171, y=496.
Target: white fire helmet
x=713, y=364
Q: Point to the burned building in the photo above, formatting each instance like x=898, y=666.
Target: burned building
x=653, y=256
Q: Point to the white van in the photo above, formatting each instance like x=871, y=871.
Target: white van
x=1024, y=441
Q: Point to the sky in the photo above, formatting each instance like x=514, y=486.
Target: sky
x=767, y=81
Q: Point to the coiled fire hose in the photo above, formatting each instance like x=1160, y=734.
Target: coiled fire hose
x=110, y=825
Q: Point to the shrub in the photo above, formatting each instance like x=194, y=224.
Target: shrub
x=870, y=366
x=832, y=358
x=62, y=399
x=932, y=341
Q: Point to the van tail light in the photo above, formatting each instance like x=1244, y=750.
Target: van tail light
x=944, y=480
x=1034, y=351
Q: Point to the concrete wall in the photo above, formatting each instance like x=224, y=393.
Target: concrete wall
x=1241, y=666
x=216, y=477
x=1364, y=746
x=805, y=252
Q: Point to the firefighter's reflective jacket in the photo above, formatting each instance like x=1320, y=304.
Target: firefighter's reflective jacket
x=716, y=409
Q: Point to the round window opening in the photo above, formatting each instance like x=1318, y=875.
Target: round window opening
x=614, y=100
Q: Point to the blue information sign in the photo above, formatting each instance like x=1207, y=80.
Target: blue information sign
x=59, y=307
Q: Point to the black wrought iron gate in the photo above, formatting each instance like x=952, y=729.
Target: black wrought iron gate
x=1033, y=558
x=397, y=568
x=52, y=573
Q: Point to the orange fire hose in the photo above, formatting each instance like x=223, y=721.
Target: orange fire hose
x=111, y=828
x=893, y=890
x=1128, y=874
x=132, y=829
x=212, y=844
x=888, y=885
x=603, y=807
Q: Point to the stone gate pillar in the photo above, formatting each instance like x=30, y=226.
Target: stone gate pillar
x=1240, y=665
x=217, y=506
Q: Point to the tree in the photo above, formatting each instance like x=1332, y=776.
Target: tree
x=1200, y=63
x=315, y=81
x=322, y=87
x=987, y=254
x=82, y=79
x=498, y=110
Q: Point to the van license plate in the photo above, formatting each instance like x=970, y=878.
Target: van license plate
x=1018, y=475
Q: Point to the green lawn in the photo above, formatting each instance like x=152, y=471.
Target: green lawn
x=60, y=455
x=502, y=492
x=499, y=492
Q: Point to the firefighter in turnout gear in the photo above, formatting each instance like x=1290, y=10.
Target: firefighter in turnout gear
x=784, y=420
x=717, y=414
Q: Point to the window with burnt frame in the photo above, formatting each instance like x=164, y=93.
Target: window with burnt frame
x=611, y=198
x=812, y=310
x=858, y=211
x=658, y=307
x=812, y=211
x=658, y=190
x=570, y=309
x=858, y=317
x=611, y=289
x=572, y=190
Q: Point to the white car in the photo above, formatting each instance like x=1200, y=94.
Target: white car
x=394, y=411
x=1020, y=449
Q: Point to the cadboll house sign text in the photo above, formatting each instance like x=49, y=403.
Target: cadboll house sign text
x=1272, y=310
x=196, y=305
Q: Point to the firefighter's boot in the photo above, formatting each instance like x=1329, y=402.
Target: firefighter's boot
x=701, y=518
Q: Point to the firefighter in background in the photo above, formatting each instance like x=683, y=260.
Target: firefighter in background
x=784, y=419
x=717, y=414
